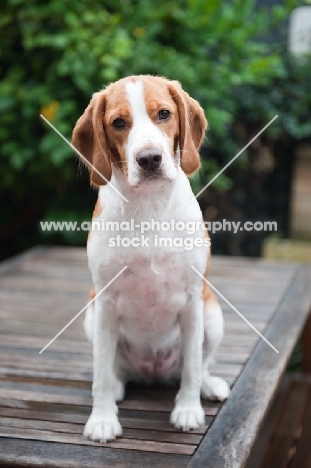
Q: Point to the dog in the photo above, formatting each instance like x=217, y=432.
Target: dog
x=158, y=320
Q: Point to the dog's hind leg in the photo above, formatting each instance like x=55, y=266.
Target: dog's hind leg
x=213, y=388
x=89, y=318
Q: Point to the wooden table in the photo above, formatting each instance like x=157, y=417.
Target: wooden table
x=45, y=399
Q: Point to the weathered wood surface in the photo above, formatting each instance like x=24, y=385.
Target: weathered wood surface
x=284, y=440
x=45, y=399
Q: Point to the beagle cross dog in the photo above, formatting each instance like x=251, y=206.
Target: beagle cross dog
x=158, y=320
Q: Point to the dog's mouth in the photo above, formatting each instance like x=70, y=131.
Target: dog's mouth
x=154, y=180
x=148, y=176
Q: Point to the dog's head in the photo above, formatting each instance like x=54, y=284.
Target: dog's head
x=144, y=125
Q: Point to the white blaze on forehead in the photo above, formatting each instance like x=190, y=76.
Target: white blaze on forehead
x=144, y=133
x=136, y=98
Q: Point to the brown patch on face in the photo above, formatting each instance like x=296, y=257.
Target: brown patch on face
x=117, y=107
x=187, y=124
x=95, y=137
x=157, y=98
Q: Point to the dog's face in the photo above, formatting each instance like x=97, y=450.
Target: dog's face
x=144, y=125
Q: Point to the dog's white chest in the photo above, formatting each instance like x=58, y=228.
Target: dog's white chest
x=154, y=291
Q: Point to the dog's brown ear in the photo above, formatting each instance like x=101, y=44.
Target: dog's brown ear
x=192, y=127
x=90, y=140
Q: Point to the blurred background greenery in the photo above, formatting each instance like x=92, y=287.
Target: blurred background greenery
x=231, y=56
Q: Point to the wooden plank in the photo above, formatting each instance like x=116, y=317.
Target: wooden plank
x=25, y=342
x=21, y=284
x=15, y=261
x=53, y=371
x=78, y=414
x=77, y=428
x=49, y=359
x=286, y=426
x=21, y=342
x=82, y=378
x=221, y=261
x=29, y=453
x=135, y=404
x=78, y=418
x=302, y=457
x=228, y=441
x=259, y=449
x=306, y=345
x=120, y=443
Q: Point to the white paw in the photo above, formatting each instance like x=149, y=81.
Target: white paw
x=215, y=388
x=119, y=390
x=186, y=416
x=102, y=427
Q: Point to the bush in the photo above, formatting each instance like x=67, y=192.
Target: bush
x=55, y=55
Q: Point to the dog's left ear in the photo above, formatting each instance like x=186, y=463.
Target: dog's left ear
x=192, y=127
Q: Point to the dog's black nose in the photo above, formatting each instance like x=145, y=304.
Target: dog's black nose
x=149, y=159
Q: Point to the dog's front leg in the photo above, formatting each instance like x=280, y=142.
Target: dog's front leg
x=188, y=412
x=103, y=422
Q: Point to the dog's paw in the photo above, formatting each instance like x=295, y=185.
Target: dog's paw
x=187, y=416
x=102, y=427
x=215, y=388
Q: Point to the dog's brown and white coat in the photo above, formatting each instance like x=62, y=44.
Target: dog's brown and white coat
x=158, y=320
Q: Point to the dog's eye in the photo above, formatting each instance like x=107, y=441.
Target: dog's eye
x=164, y=114
x=118, y=123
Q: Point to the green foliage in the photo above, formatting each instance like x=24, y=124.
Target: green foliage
x=288, y=96
x=55, y=54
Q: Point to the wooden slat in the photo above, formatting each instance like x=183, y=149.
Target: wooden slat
x=259, y=449
x=77, y=428
x=306, y=345
x=287, y=425
x=284, y=439
x=302, y=456
x=33, y=453
x=16, y=261
x=120, y=443
x=137, y=404
x=150, y=424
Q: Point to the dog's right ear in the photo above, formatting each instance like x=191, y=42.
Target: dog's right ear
x=192, y=127
x=90, y=140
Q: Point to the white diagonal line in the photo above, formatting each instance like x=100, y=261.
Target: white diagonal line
x=233, y=159
x=236, y=310
x=83, y=157
x=82, y=310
